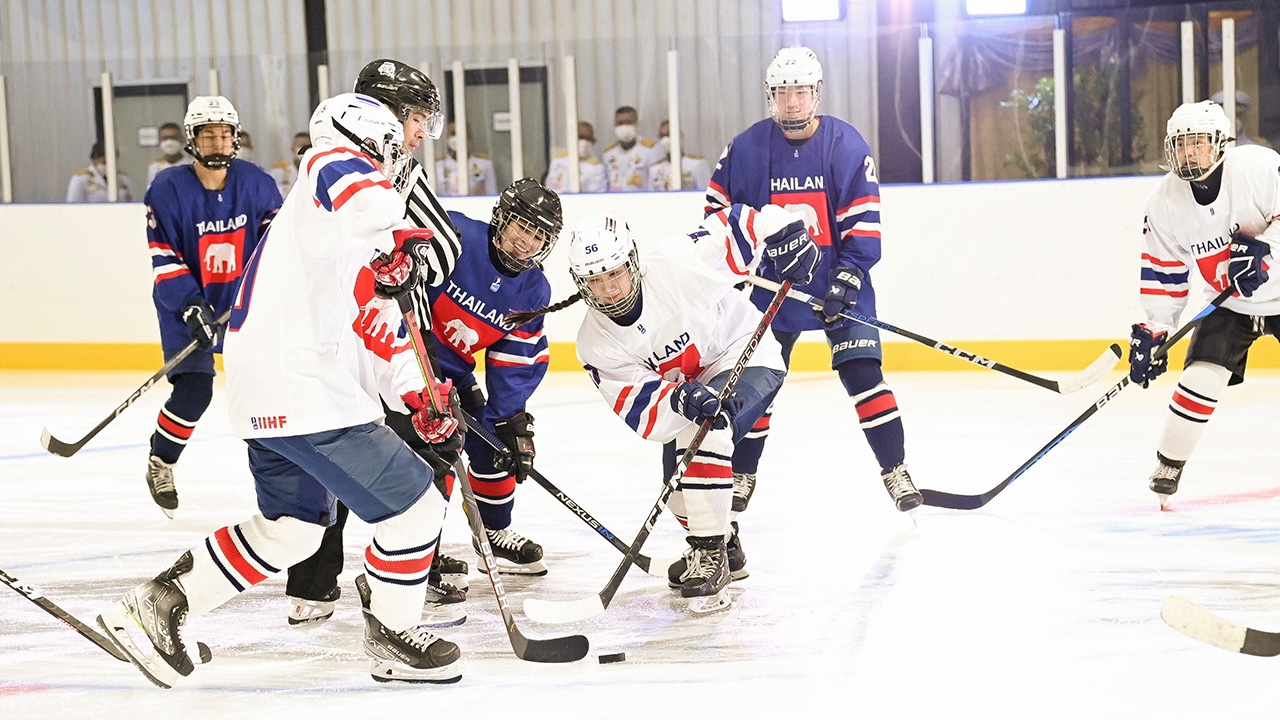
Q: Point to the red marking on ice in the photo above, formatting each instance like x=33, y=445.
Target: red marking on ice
x=1212, y=501
x=8, y=690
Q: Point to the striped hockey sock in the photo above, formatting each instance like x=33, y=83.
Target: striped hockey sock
x=881, y=423
x=1193, y=402
x=398, y=560
x=237, y=557
x=495, y=495
x=192, y=393
x=707, y=484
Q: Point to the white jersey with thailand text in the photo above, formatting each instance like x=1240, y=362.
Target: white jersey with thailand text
x=1180, y=236
x=693, y=324
x=310, y=347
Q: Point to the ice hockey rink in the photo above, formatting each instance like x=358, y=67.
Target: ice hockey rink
x=1045, y=603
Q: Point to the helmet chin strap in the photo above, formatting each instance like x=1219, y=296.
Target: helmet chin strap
x=359, y=142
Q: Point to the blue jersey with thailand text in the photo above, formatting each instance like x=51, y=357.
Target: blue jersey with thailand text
x=469, y=314
x=201, y=239
x=830, y=179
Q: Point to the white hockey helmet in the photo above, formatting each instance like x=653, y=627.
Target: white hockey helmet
x=605, y=265
x=211, y=110
x=361, y=123
x=794, y=67
x=1189, y=125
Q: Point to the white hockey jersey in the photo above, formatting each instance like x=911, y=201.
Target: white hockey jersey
x=1180, y=235
x=693, y=324
x=310, y=347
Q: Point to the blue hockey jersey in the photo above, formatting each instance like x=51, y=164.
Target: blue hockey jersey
x=830, y=179
x=201, y=239
x=469, y=314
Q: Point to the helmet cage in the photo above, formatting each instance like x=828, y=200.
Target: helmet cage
x=616, y=308
x=793, y=67
x=600, y=246
x=211, y=110
x=535, y=211
x=774, y=112
x=1184, y=160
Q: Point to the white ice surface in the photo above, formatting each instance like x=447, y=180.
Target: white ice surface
x=1043, y=604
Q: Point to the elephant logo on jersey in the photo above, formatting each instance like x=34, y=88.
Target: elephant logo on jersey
x=460, y=336
x=810, y=218
x=220, y=256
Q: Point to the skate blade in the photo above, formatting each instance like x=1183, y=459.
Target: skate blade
x=1164, y=500
x=118, y=623
x=168, y=513
x=438, y=616
x=386, y=671
x=533, y=569
x=708, y=604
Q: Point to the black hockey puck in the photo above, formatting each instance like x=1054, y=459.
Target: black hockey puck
x=612, y=658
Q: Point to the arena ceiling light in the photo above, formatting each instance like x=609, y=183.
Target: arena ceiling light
x=811, y=10
x=995, y=7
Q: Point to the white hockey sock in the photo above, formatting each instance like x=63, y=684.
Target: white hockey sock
x=676, y=505
x=397, y=562
x=1193, y=402
x=707, y=485
x=237, y=557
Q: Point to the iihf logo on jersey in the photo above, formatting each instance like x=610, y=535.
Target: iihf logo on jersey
x=268, y=422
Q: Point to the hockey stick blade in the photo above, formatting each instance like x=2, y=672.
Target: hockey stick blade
x=1198, y=623
x=952, y=501
x=643, y=562
x=65, y=449
x=1082, y=379
x=553, y=611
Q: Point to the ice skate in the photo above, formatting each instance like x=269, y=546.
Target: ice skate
x=744, y=485
x=676, y=573
x=445, y=605
x=147, y=625
x=452, y=570
x=515, y=554
x=898, y=482
x=1164, y=480
x=412, y=655
x=160, y=481
x=302, y=610
x=707, y=575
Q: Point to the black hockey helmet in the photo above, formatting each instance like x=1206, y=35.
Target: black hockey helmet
x=403, y=88
x=536, y=210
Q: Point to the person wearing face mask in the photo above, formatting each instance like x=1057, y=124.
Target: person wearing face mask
x=628, y=159
x=479, y=169
x=171, y=154
x=591, y=174
x=694, y=171
x=285, y=172
x=89, y=185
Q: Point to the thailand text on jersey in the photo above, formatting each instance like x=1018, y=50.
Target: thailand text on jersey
x=1180, y=235
x=469, y=314
x=310, y=347
x=830, y=179
x=693, y=324
x=200, y=239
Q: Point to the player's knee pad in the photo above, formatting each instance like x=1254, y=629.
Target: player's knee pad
x=416, y=527
x=192, y=393
x=1199, y=388
x=859, y=375
x=281, y=542
x=712, y=464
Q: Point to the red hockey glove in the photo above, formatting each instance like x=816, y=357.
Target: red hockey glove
x=434, y=427
x=397, y=272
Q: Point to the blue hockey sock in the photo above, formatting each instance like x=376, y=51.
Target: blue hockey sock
x=877, y=409
x=192, y=393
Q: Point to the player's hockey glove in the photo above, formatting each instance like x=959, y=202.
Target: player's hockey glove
x=795, y=256
x=202, y=326
x=516, y=432
x=842, y=294
x=398, y=271
x=1143, y=343
x=435, y=428
x=699, y=403
x=1245, y=268
x=442, y=456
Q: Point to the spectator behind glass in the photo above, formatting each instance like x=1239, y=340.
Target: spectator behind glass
x=695, y=174
x=1242, y=111
x=591, y=175
x=479, y=169
x=628, y=159
x=285, y=172
x=171, y=144
x=89, y=185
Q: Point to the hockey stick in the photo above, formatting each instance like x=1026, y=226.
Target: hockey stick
x=1086, y=377
x=58, y=447
x=36, y=596
x=642, y=561
x=935, y=498
x=552, y=611
x=554, y=650
x=1195, y=622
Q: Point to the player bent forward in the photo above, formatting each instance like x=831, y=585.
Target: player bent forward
x=311, y=348
x=662, y=334
x=1229, y=245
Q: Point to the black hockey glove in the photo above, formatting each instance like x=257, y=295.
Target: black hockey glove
x=699, y=403
x=202, y=326
x=1143, y=344
x=516, y=432
x=398, y=272
x=1245, y=268
x=795, y=256
x=842, y=294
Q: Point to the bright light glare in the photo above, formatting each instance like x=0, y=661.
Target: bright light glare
x=807, y=10
x=995, y=7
